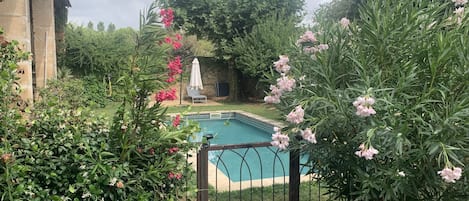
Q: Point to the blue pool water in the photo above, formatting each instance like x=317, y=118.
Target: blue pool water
x=258, y=163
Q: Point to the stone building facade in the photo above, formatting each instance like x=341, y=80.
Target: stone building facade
x=32, y=24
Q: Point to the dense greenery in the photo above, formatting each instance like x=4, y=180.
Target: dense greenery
x=386, y=101
x=337, y=9
x=97, y=53
x=223, y=21
x=59, y=150
x=255, y=51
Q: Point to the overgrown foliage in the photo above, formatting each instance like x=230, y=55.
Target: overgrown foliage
x=97, y=53
x=221, y=21
x=384, y=108
x=255, y=51
x=59, y=150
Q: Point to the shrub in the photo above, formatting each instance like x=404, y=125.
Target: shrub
x=386, y=100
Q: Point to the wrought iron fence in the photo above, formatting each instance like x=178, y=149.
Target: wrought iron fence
x=252, y=176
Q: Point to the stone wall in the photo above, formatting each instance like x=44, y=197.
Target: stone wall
x=16, y=17
x=212, y=72
x=44, y=41
x=15, y=20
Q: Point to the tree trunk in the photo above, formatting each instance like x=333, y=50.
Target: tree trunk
x=233, y=73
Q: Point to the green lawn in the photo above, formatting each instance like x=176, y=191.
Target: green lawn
x=263, y=110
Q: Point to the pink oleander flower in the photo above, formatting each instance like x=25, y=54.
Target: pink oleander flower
x=311, y=50
x=459, y=11
x=366, y=153
x=274, y=90
x=176, y=45
x=178, y=36
x=272, y=99
x=282, y=64
x=168, y=40
x=309, y=136
x=277, y=129
x=459, y=2
x=280, y=140
x=170, y=79
x=173, y=150
x=308, y=36
x=296, y=115
x=175, y=66
x=450, y=175
x=285, y=83
x=167, y=16
x=323, y=47
x=171, y=175
x=166, y=95
x=177, y=120
x=363, y=105
x=275, y=95
x=179, y=176
x=344, y=22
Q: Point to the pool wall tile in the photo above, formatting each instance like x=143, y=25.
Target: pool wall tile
x=245, y=117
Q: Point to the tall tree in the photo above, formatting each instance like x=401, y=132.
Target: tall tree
x=220, y=21
x=100, y=26
x=111, y=27
x=223, y=20
x=90, y=25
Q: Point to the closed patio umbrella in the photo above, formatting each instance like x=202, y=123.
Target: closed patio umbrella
x=195, y=80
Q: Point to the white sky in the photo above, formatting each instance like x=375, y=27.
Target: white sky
x=125, y=13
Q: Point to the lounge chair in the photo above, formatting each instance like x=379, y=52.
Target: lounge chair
x=195, y=95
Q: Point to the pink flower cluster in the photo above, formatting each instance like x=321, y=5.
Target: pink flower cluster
x=175, y=68
x=168, y=16
x=313, y=50
x=450, y=175
x=282, y=64
x=176, y=43
x=366, y=153
x=177, y=120
x=307, y=37
x=284, y=83
x=165, y=95
x=363, y=105
x=344, y=22
x=459, y=2
x=275, y=95
x=459, y=12
x=173, y=150
x=177, y=176
x=308, y=40
x=279, y=140
x=309, y=136
x=296, y=115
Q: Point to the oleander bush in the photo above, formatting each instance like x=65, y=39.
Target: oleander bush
x=381, y=104
x=60, y=150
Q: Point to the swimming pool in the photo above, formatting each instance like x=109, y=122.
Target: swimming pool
x=244, y=163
